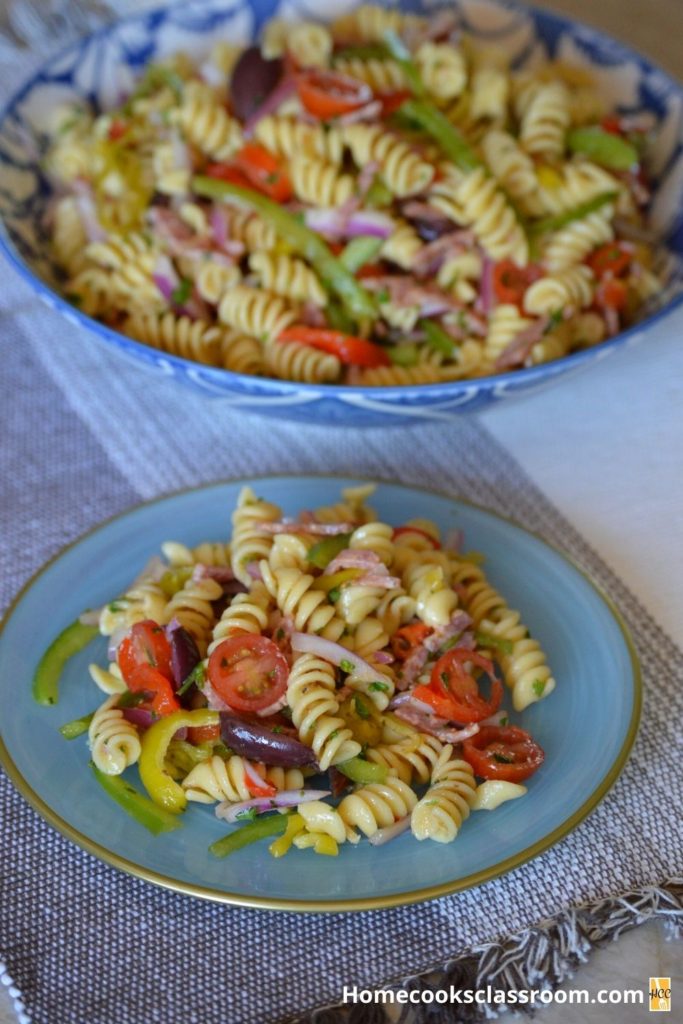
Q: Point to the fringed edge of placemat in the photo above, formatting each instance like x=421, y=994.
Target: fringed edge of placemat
x=542, y=957
x=14, y=994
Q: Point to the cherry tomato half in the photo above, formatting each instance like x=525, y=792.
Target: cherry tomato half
x=510, y=281
x=407, y=638
x=391, y=101
x=264, y=172
x=146, y=644
x=248, y=672
x=454, y=693
x=503, y=752
x=229, y=173
x=327, y=94
x=610, y=258
x=146, y=679
x=350, y=350
x=611, y=293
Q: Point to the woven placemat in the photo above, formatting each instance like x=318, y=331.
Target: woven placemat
x=84, y=943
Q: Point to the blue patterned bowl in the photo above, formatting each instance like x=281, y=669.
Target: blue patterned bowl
x=102, y=66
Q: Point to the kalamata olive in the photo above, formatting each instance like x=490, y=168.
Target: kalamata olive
x=260, y=743
x=253, y=79
x=430, y=230
x=184, y=654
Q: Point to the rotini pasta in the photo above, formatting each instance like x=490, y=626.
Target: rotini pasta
x=315, y=661
x=395, y=216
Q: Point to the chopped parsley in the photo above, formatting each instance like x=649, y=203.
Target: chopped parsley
x=196, y=676
x=360, y=707
x=346, y=665
x=538, y=686
x=378, y=687
x=247, y=814
x=501, y=759
x=487, y=640
x=334, y=595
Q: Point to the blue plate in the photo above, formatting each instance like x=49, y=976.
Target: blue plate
x=586, y=730
x=101, y=67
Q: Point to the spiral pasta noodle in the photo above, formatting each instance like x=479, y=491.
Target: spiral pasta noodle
x=289, y=360
x=296, y=598
x=228, y=780
x=411, y=759
x=318, y=182
x=310, y=694
x=207, y=124
x=249, y=544
x=289, y=137
x=287, y=276
x=211, y=553
x=113, y=741
x=377, y=805
x=192, y=607
x=446, y=804
x=420, y=207
x=570, y=287
x=426, y=582
x=177, y=335
x=404, y=171
x=144, y=599
x=246, y=613
x=375, y=537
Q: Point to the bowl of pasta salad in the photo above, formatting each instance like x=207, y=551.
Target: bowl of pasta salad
x=383, y=217
x=315, y=694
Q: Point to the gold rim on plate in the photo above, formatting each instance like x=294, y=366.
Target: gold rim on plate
x=366, y=903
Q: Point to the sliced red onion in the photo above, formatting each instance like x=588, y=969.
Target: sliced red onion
x=277, y=97
x=368, y=112
x=353, y=558
x=367, y=222
x=497, y=719
x=307, y=643
x=325, y=220
x=139, y=716
x=212, y=75
x=519, y=349
x=383, y=657
x=214, y=702
x=253, y=570
x=384, y=835
x=222, y=574
x=165, y=277
x=293, y=526
x=611, y=317
x=260, y=804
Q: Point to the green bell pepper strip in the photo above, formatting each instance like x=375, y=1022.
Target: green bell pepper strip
x=404, y=354
x=306, y=242
x=603, y=147
x=269, y=825
x=50, y=667
x=362, y=771
x=560, y=220
x=339, y=319
x=403, y=57
x=442, y=131
x=165, y=791
x=364, y=51
x=322, y=553
x=145, y=812
x=437, y=338
x=76, y=727
x=359, y=251
x=486, y=640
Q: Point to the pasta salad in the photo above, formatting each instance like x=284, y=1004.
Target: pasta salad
x=374, y=202
x=318, y=680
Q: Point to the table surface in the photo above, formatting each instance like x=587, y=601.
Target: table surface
x=609, y=456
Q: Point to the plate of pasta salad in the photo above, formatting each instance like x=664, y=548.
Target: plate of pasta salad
x=311, y=693
x=386, y=200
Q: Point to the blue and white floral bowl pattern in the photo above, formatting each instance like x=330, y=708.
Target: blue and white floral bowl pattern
x=103, y=66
